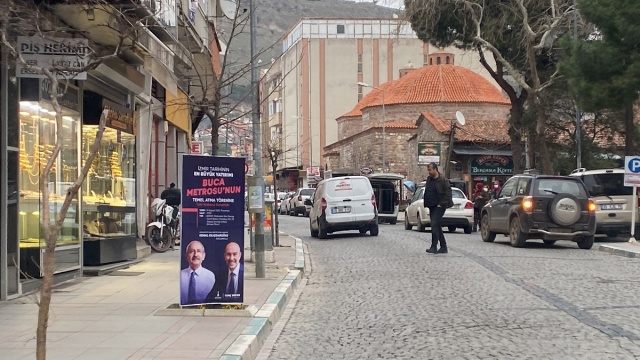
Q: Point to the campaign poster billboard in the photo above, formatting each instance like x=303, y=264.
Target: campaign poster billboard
x=212, y=265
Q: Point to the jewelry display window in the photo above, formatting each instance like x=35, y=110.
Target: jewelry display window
x=38, y=131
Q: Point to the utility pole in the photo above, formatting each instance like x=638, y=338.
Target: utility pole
x=257, y=143
x=578, y=120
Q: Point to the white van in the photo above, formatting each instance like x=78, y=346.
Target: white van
x=343, y=203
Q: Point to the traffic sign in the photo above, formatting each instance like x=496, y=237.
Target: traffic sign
x=632, y=171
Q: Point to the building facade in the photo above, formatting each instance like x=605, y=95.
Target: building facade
x=405, y=124
x=317, y=78
x=147, y=128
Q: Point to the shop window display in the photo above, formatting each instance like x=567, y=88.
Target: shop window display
x=109, y=189
x=38, y=130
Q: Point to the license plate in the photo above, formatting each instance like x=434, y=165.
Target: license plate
x=457, y=206
x=611, y=207
x=340, y=210
x=560, y=230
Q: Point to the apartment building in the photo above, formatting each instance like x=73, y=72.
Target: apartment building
x=316, y=80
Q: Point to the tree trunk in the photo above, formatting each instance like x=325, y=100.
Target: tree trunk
x=45, y=296
x=276, y=213
x=629, y=131
x=543, y=149
x=515, y=135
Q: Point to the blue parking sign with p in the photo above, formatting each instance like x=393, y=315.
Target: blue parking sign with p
x=632, y=171
x=633, y=164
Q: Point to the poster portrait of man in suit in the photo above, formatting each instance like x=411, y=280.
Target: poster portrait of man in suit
x=229, y=286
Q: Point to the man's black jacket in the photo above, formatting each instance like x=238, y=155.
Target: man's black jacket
x=444, y=191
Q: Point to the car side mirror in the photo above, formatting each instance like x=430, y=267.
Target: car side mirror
x=308, y=202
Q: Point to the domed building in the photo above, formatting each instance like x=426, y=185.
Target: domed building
x=411, y=120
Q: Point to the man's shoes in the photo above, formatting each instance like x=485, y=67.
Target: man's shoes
x=432, y=250
x=443, y=250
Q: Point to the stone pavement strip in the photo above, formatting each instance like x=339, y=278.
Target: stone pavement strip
x=626, y=249
x=124, y=315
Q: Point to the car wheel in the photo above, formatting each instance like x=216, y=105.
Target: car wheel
x=322, y=232
x=451, y=228
x=421, y=226
x=407, y=225
x=374, y=230
x=393, y=221
x=549, y=242
x=516, y=236
x=586, y=243
x=314, y=233
x=363, y=231
x=468, y=229
x=485, y=232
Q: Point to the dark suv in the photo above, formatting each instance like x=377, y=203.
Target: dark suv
x=531, y=206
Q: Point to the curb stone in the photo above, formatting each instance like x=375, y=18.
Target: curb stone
x=613, y=250
x=248, y=344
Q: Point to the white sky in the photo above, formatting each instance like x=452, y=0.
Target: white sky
x=389, y=3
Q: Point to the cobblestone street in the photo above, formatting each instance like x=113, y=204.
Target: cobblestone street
x=384, y=297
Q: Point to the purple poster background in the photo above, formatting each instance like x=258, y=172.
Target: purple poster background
x=212, y=265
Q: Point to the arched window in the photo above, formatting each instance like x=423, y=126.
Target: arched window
x=447, y=60
x=438, y=60
x=430, y=61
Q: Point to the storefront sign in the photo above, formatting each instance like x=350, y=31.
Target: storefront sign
x=313, y=171
x=212, y=230
x=70, y=95
x=196, y=147
x=119, y=118
x=492, y=165
x=428, y=153
x=64, y=57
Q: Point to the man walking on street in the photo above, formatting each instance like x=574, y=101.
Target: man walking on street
x=437, y=198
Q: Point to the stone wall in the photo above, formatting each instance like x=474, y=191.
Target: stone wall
x=443, y=111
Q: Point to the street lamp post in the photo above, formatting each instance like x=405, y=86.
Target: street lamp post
x=384, y=126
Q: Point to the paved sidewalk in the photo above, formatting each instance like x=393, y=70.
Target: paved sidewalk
x=114, y=317
x=630, y=250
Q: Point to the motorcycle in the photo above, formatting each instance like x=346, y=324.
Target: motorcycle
x=163, y=232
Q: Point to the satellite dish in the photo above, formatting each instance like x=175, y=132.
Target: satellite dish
x=228, y=8
x=460, y=118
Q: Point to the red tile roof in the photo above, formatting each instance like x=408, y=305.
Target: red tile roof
x=433, y=84
x=476, y=130
x=398, y=125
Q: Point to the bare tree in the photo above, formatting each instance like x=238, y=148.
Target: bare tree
x=274, y=149
x=520, y=34
x=33, y=18
x=212, y=90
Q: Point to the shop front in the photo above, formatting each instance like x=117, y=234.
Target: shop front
x=109, y=191
x=490, y=169
x=38, y=131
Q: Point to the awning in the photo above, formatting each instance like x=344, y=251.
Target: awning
x=474, y=150
x=177, y=110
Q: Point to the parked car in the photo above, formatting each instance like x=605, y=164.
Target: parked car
x=531, y=206
x=343, y=203
x=459, y=216
x=281, y=197
x=284, y=205
x=297, y=203
x=614, y=201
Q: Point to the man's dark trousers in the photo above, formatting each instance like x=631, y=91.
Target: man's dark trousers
x=436, y=214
